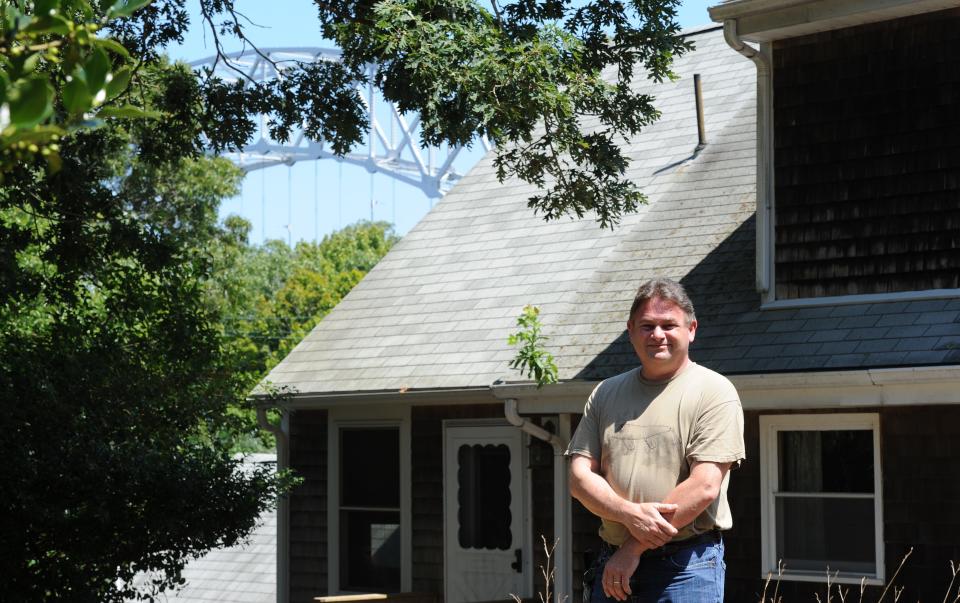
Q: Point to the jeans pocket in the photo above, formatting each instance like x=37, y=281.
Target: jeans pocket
x=696, y=557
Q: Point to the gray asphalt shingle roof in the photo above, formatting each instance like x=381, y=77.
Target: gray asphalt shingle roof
x=437, y=310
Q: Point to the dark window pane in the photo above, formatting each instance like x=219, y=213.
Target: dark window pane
x=370, y=551
x=814, y=533
x=826, y=461
x=484, y=497
x=370, y=467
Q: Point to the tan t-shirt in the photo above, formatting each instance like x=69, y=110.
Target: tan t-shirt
x=646, y=434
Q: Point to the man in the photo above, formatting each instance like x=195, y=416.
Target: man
x=651, y=458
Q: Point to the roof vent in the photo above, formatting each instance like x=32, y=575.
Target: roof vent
x=701, y=129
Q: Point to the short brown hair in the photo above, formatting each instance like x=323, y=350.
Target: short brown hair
x=667, y=290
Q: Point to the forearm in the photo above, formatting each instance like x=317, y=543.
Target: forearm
x=691, y=500
x=694, y=494
x=634, y=546
x=644, y=521
x=594, y=493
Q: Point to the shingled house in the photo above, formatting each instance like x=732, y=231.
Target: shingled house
x=817, y=232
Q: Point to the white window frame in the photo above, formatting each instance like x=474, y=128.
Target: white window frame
x=364, y=418
x=770, y=426
x=866, y=298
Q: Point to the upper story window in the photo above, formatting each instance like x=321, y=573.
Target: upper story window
x=867, y=159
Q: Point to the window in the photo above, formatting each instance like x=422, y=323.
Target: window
x=822, y=502
x=370, y=549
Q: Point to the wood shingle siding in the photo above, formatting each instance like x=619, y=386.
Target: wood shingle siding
x=426, y=437
x=308, y=506
x=918, y=447
x=867, y=152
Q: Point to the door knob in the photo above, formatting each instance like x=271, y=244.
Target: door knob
x=518, y=564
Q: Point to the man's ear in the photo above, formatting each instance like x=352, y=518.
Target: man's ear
x=693, y=329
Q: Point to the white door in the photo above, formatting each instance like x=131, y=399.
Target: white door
x=486, y=550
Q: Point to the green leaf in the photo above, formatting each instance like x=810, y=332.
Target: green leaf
x=38, y=135
x=76, y=96
x=113, y=46
x=22, y=22
x=30, y=63
x=125, y=8
x=118, y=83
x=96, y=67
x=9, y=15
x=31, y=102
x=49, y=24
x=128, y=112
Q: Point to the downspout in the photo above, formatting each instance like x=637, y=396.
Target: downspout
x=765, y=168
x=562, y=525
x=280, y=432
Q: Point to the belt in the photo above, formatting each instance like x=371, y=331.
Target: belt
x=710, y=537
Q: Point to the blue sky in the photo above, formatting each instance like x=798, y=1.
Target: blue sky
x=313, y=198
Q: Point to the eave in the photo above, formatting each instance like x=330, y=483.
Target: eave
x=406, y=397
x=768, y=20
x=901, y=386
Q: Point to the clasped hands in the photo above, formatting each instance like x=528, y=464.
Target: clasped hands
x=650, y=528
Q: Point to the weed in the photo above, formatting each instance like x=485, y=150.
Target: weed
x=890, y=587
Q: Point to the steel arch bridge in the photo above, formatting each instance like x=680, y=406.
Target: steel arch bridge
x=392, y=143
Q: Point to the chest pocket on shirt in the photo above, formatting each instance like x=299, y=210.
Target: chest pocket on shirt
x=649, y=439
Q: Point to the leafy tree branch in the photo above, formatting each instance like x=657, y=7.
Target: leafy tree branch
x=524, y=74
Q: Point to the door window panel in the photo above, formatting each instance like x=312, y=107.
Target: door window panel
x=483, y=496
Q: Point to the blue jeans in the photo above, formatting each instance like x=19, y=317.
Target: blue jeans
x=691, y=574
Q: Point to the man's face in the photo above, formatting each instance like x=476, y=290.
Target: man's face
x=661, y=337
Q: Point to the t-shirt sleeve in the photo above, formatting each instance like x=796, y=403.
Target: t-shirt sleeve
x=718, y=436
x=586, y=439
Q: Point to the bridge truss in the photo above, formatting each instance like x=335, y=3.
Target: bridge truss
x=392, y=141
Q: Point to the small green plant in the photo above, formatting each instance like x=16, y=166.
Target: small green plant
x=532, y=359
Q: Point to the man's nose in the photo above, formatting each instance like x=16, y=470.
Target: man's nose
x=658, y=332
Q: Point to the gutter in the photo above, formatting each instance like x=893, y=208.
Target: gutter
x=514, y=418
x=280, y=432
x=765, y=173
x=562, y=524
x=293, y=400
